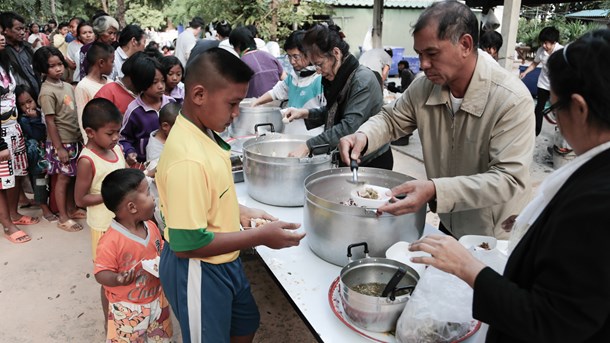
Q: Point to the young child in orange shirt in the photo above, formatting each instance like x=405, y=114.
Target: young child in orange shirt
x=138, y=310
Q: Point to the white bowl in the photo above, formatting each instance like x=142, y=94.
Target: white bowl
x=370, y=203
x=475, y=241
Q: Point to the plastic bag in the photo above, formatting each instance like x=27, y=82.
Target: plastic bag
x=440, y=309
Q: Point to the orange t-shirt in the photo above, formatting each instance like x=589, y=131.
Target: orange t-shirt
x=119, y=251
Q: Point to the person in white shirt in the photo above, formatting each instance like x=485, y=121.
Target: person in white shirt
x=131, y=40
x=549, y=41
x=223, y=31
x=187, y=39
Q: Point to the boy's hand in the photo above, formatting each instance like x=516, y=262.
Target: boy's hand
x=279, y=234
x=132, y=158
x=126, y=278
x=247, y=213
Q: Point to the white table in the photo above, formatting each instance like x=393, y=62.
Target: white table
x=305, y=278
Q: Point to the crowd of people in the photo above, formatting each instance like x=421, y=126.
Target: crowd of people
x=106, y=127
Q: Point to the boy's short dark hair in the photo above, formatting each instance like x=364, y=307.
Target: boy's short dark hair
x=62, y=25
x=99, y=112
x=144, y=68
x=168, y=62
x=99, y=51
x=197, y=22
x=223, y=28
x=549, y=34
x=40, y=62
x=491, y=39
x=404, y=63
x=214, y=67
x=169, y=112
x=118, y=184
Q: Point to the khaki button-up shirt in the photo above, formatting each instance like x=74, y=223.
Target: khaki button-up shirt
x=479, y=157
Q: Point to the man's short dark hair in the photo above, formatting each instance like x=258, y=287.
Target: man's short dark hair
x=215, y=67
x=223, y=28
x=197, y=22
x=7, y=18
x=99, y=112
x=453, y=20
x=404, y=63
x=118, y=184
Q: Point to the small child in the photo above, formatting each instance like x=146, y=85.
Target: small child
x=64, y=139
x=138, y=308
x=101, y=155
x=100, y=58
x=35, y=132
x=167, y=118
x=173, y=71
x=121, y=92
x=142, y=115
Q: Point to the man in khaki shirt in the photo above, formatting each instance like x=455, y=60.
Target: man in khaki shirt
x=475, y=122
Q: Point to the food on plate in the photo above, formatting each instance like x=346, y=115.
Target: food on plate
x=348, y=202
x=256, y=222
x=368, y=193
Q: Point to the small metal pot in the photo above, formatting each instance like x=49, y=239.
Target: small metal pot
x=375, y=313
x=243, y=125
x=274, y=178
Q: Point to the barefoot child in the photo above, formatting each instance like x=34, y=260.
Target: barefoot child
x=64, y=139
x=200, y=267
x=35, y=133
x=138, y=310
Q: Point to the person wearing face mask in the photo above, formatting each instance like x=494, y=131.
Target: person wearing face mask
x=353, y=95
x=302, y=87
x=476, y=125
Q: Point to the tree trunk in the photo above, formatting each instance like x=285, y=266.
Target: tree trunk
x=120, y=12
x=274, y=6
x=104, y=5
x=53, y=10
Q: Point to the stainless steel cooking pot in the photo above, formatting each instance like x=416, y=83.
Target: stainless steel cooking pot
x=243, y=125
x=331, y=225
x=274, y=178
x=372, y=311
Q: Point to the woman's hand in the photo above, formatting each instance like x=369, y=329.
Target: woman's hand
x=448, y=255
x=292, y=113
x=301, y=151
x=5, y=155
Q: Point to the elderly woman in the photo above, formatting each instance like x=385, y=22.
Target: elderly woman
x=105, y=29
x=352, y=94
x=556, y=285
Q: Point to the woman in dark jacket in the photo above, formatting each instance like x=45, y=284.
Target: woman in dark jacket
x=352, y=94
x=556, y=285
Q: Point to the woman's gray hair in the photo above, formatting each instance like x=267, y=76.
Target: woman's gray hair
x=103, y=23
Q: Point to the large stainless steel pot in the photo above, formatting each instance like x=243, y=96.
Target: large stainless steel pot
x=274, y=178
x=331, y=225
x=243, y=125
x=375, y=313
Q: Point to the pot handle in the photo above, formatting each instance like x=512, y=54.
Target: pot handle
x=400, y=273
x=318, y=147
x=263, y=124
x=349, y=249
x=396, y=290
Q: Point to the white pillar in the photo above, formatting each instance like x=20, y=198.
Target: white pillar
x=510, y=24
x=377, y=24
